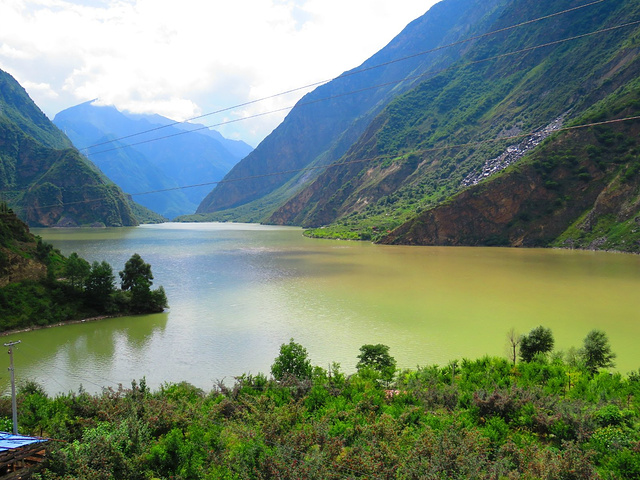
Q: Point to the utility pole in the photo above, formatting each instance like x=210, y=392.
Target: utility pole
x=14, y=404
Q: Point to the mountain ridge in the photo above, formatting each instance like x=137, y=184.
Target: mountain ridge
x=47, y=181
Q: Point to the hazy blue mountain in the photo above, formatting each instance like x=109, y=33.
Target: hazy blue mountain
x=43, y=178
x=138, y=165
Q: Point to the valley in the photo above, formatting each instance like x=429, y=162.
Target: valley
x=486, y=164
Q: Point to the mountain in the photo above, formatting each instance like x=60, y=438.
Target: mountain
x=326, y=122
x=177, y=160
x=43, y=178
x=488, y=151
x=579, y=190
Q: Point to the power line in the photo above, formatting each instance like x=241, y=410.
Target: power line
x=344, y=75
x=363, y=160
x=522, y=51
x=381, y=157
x=373, y=87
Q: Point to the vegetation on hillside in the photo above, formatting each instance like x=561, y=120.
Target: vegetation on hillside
x=415, y=155
x=548, y=418
x=39, y=286
x=578, y=189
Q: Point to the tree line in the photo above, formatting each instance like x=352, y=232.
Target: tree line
x=74, y=289
x=595, y=353
x=97, y=282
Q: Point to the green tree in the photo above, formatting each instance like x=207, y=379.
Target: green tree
x=292, y=361
x=76, y=270
x=137, y=279
x=99, y=284
x=596, y=352
x=136, y=271
x=158, y=300
x=539, y=340
x=377, y=357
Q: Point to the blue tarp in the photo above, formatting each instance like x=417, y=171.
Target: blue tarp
x=9, y=441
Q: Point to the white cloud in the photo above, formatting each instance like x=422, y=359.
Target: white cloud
x=181, y=59
x=42, y=90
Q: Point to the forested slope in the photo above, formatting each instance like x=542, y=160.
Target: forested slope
x=39, y=286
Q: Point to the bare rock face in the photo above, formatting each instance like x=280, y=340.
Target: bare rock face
x=16, y=268
x=17, y=250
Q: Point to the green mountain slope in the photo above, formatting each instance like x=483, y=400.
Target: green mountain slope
x=419, y=150
x=18, y=250
x=326, y=122
x=44, y=179
x=18, y=109
x=580, y=189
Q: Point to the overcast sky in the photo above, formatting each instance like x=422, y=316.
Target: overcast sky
x=182, y=58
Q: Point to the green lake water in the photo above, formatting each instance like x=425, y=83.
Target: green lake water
x=237, y=292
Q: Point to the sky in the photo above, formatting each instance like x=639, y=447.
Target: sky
x=184, y=58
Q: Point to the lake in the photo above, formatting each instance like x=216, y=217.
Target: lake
x=237, y=292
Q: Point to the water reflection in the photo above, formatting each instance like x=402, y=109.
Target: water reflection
x=62, y=358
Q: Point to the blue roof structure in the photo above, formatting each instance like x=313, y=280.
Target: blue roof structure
x=21, y=455
x=8, y=441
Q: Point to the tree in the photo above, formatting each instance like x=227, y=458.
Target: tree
x=135, y=272
x=292, y=361
x=99, y=284
x=158, y=300
x=137, y=279
x=596, y=352
x=514, y=342
x=376, y=357
x=538, y=341
x=76, y=270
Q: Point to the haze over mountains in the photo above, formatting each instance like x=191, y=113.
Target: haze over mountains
x=141, y=163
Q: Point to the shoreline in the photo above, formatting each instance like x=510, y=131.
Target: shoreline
x=58, y=324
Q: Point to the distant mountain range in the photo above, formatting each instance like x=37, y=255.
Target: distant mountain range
x=140, y=163
x=465, y=130
x=45, y=180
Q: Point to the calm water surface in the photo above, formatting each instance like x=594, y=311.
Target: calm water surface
x=237, y=292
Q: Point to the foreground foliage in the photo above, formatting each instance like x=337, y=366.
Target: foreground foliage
x=478, y=419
